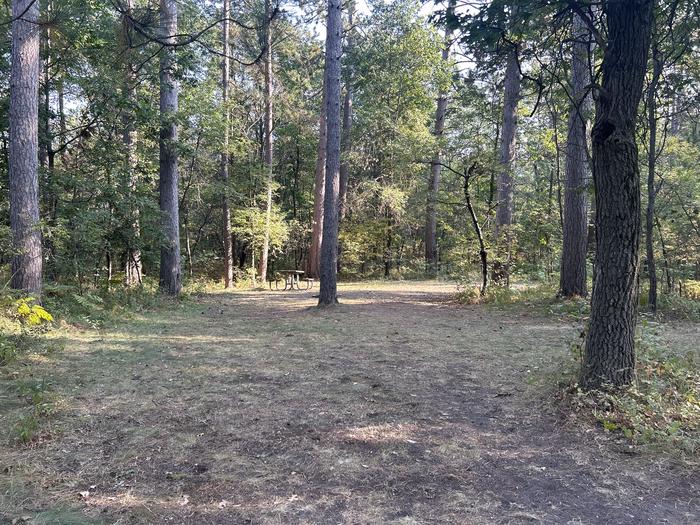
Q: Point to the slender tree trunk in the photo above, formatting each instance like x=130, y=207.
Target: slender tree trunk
x=268, y=137
x=657, y=69
x=23, y=150
x=224, y=174
x=572, y=280
x=664, y=252
x=511, y=94
x=483, y=254
x=431, y=249
x=133, y=267
x=170, y=273
x=346, y=143
x=329, y=245
x=314, y=261
x=557, y=164
x=609, y=357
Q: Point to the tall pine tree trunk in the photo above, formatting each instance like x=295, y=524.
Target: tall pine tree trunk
x=511, y=94
x=609, y=357
x=346, y=143
x=23, y=148
x=268, y=137
x=313, y=265
x=431, y=251
x=657, y=69
x=329, y=245
x=224, y=174
x=170, y=273
x=133, y=267
x=345, y=140
x=572, y=279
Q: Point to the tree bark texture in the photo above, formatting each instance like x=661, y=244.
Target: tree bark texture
x=23, y=148
x=572, y=279
x=314, y=261
x=224, y=166
x=511, y=94
x=329, y=244
x=268, y=137
x=609, y=357
x=170, y=272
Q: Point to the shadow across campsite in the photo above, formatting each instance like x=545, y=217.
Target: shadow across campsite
x=396, y=406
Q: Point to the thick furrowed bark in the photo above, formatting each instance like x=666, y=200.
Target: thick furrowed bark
x=329, y=245
x=609, y=357
x=23, y=148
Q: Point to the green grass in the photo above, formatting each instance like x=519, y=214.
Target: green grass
x=661, y=410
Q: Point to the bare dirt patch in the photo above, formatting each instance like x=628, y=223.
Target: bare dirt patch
x=398, y=406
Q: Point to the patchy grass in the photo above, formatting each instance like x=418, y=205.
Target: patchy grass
x=398, y=406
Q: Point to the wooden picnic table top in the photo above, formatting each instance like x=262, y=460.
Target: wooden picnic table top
x=297, y=272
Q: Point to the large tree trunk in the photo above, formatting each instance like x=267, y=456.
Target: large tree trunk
x=24, y=145
x=511, y=94
x=133, y=267
x=268, y=137
x=225, y=207
x=572, y=279
x=657, y=65
x=170, y=274
x=313, y=264
x=431, y=251
x=329, y=245
x=609, y=357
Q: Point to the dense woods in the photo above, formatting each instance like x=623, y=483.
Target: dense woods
x=226, y=141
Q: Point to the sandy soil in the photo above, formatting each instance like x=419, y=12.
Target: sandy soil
x=398, y=407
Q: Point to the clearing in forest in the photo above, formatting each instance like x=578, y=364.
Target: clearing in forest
x=399, y=406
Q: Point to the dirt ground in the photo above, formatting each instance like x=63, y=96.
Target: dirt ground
x=396, y=407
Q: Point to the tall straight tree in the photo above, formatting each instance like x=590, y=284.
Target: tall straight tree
x=24, y=148
x=511, y=94
x=431, y=251
x=268, y=137
x=609, y=358
x=170, y=274
x=133, y=268
x=346, y=143
x=313, y=264
x=572, y=278
x=329, y=245
x=223, y=169
x=657, y=64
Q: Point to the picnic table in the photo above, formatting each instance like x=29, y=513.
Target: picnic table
x=291, y=280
